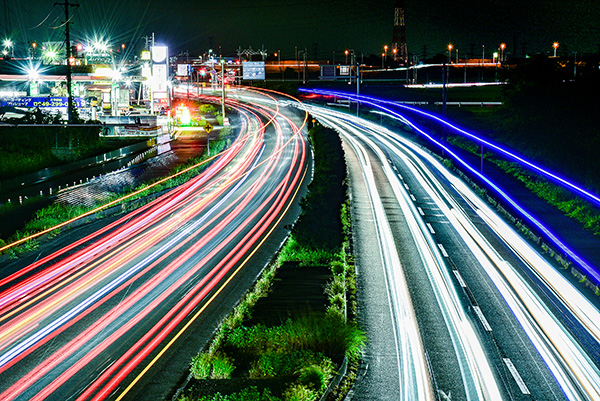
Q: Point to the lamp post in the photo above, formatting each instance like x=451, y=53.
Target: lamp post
x=9, y=47
x=449, y=53
x=502, y=47
x=385, y=49
x=223, y=90
x=346, y=53
x=555, y=46
x=382, y=60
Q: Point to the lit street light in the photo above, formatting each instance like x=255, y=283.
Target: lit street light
x=502, y=47
x=346, y=53
x=555, y=46
x=450, y=53
x=382, y=60
x=384, y=55
x=8, y=46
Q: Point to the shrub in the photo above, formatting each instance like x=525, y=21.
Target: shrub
x=337, y=267
x=298, y=392
x=222, y=367
x=201, y=366
x=316, y=377
x=336, y=286
x=337, y=301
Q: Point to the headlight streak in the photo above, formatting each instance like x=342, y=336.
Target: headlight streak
x=594, y=198
x=589, y=270
x=278, y=198
x=156, y=237
x=48, y=328
x=17, y=291
x=413, y=373
x=576, y=373
x=87, y=335
x=478, y=379
x=229, y=261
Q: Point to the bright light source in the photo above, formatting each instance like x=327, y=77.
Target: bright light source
x=103, y=72
x=33, y=74
x=185, y=116
x=7, y=43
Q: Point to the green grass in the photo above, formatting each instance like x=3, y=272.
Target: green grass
x=572, y=206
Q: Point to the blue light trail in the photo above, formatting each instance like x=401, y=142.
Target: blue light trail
x=549, y=234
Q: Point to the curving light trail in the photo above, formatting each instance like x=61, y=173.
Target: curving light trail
x=585, y=265
x=478, y=380
x=574, y=370
x=99, y=312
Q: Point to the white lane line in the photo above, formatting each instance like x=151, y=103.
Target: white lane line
x=406, y=186
x=443, y=250
x=431, y=230
x=461, y=281
x=516, y=376
x=413, y=198
x=421, y=212
x=482, y=318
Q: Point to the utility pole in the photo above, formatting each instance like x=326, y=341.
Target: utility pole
x=66, y=5
x=223, y=90
x=357, y=89
x=444, y=80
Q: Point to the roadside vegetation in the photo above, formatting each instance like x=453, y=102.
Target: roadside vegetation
x=572, y=206
x=298, y=358
x=55, y=214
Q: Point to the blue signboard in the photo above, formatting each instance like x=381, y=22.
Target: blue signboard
x=41, y=102
x=253, y=70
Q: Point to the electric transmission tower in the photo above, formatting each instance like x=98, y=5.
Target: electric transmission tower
x=399, y=48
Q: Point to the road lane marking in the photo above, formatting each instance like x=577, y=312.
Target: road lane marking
x=461, y=281
x=482, y=318
x=443, y=250
x=515, y=374
x=431, y=230
x=421, y=212
x=413, y=198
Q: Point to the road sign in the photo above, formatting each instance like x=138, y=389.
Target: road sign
x=208, y=128
x=253, y=70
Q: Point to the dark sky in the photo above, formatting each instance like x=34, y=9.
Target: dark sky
x=322, y=26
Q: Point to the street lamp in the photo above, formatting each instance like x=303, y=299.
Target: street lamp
x=555, y=46
x=8, y=44
x=450, y=53
x=346, y=53
x=385, y=49
x=382, y=60
x=502, y=47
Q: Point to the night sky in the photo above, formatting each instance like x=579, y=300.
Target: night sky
x=320, y=26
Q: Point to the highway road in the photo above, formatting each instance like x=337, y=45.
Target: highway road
x=456, y=304
x=99, y=316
